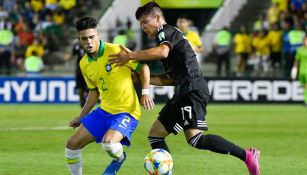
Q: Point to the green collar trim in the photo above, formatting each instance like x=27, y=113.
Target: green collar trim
x=100, y=52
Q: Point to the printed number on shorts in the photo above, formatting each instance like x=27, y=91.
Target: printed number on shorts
x=187, y=109
x=124, y=122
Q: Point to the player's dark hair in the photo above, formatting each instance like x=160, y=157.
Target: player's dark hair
x=86, y=23
x=149, y=8
x=183, y=16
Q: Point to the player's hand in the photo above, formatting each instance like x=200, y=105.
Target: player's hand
x=293, y=73
x=147, y=102
x=75, y=122
x=121, y=58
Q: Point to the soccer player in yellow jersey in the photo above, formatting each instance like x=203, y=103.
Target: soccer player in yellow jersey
x=191, y=36
x=113, y=122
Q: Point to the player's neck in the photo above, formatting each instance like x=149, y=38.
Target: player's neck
x=94, y=55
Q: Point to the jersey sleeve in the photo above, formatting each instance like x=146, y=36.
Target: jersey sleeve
x=90, y=84
x=167, y=35
x=134, y=65
x=197, y=40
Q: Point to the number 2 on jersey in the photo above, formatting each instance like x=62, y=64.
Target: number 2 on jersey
x=103, y=86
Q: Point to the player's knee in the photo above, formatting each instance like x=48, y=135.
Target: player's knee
x=197, y=141
x=114, y=150
x=73, y=143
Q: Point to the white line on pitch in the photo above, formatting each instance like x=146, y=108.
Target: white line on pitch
x=57, y=128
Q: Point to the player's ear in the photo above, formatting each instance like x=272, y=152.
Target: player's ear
x=158, y=18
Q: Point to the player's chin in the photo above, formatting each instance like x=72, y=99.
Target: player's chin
x=152, y=36
x=90, y=51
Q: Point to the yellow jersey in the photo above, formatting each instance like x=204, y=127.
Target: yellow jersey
x=275, y=40
x=115, y=86
x=193, y=39
x=242, y=43
x=261, y=45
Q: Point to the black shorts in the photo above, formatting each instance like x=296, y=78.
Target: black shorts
x=80, y=82
x=244, y=56
x=188, y=112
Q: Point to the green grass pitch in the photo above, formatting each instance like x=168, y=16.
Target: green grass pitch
x=32, y=139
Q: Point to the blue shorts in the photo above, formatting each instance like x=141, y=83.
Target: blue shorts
x=98, y=122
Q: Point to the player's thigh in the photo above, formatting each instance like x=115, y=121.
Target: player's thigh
x=112, y=136
x=80, y=138
x=158, y=130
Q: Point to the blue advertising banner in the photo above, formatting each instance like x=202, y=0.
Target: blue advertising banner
x=235, y=90
x=38, y=90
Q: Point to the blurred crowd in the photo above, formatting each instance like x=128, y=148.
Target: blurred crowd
x=36, y=29
x=32, y=30
x=269, y=49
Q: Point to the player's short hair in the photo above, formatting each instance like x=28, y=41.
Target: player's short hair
x=86, y=23
x=149, y=8
x=183, y=16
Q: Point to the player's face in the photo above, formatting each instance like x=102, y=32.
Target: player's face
x=182, y=24
x=89, y=40
x=149, y=24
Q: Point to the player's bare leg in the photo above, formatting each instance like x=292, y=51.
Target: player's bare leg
x=73, y=149
x=156, y=136
x=197, y=139
x=111, y=144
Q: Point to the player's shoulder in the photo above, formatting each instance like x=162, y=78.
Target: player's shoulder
x=300, y=49
x=112, y=48
x=84, y=60
x=192, y=33
x=167, y=28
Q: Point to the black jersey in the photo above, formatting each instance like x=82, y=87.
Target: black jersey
x=181, y=64
x=79, y=52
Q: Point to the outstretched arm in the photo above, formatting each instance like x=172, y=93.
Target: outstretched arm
x=146, y=100
x=156, y=53
x=161, y=80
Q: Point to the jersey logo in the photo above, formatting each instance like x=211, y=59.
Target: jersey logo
x=161, y=36
x=186, y=123
x=108, y=67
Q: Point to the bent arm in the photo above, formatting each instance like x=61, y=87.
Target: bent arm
x=91, y=101
x=144, y=74
x=156, y=53
x=199, y=49
x=146, y=100
x=161, y=80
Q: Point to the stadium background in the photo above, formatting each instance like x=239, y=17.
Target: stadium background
x=32, y=135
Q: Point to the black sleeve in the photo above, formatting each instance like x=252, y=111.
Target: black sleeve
x=75, y=49
x=167, y=34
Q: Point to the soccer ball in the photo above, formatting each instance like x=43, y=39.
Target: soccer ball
x=158, y=162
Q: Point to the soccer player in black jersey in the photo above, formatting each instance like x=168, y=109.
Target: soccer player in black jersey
x=187, y=109
x=81, y=86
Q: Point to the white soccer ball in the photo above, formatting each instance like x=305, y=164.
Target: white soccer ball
x=158, y=162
